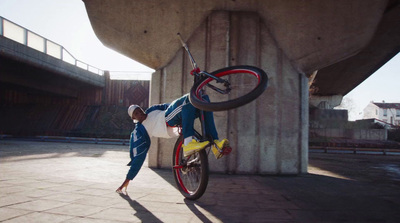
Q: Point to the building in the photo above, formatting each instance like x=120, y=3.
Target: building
x=386, y=112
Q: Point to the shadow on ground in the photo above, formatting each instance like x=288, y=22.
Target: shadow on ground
x=141, y=211
x=12, y=150
x=338, y=188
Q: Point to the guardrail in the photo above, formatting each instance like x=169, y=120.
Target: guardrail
x=354, y=150
x=68, y=139
x=33, y=40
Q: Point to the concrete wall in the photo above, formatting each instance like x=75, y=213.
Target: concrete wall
x=367, y=134
x=269, y=135
x=328, y=118
x=333, y=123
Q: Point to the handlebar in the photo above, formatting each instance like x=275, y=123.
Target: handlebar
x=194, y=64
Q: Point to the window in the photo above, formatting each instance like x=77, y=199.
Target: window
x=384, y=112
x=397, y=112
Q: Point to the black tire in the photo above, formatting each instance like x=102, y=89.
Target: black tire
x=191, y=180
x=248, y=83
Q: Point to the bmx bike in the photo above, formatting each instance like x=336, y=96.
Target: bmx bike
x=230, y=87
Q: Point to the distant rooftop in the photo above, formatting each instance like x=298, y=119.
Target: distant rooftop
x=387, y=105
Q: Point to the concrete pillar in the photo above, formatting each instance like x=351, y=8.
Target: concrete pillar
x=104, y=98
x=268, y=135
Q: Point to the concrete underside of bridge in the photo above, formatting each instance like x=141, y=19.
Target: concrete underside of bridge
x=34, y=71
x=290, y=40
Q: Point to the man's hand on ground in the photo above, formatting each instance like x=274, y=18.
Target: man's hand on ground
x=124, y=185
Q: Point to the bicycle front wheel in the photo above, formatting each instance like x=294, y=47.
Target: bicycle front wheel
x=190, y=173
x=242, y=84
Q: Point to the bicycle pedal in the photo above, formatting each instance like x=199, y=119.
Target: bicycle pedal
x=220, y=153
x=226, y=150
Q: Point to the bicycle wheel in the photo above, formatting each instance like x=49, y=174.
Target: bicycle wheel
x=190, y=173
x=246, y=83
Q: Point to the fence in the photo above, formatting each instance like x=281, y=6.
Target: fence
x=35, y=41
x=126, y=92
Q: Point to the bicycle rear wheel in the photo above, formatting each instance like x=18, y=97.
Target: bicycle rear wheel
x=190, y=173
x=246, y=83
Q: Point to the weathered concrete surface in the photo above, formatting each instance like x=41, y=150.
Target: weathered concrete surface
x=342, y=77
x=69, y=182
x=268, y=135
x=346, y=41
x=312, y=34
x=368, y=134
x=333, y=123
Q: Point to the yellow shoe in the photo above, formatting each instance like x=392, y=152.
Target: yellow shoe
x=193, y=147
x=219, y=147
x=221, y=144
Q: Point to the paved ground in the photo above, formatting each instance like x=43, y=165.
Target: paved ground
x=68, y=182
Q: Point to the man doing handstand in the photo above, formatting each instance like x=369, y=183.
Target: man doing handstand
x=162, y=121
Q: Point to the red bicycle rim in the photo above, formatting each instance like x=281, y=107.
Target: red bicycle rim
x=177, y=171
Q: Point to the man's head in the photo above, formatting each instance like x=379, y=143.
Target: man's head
x=136, y=113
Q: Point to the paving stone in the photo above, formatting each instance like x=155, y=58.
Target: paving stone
x=91, y=220
x=66, y=197
x=167, y=217
x=97, y=201
x=38, y=205
x=8, y=213
x=39, y=217
x=116, y=214
x=95, y=192
x=13, y=189
x=66, y=188
x=79, y=210
x=38, y=193
x=13, y=199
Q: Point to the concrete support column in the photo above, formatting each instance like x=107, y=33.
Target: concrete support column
x=268, y=135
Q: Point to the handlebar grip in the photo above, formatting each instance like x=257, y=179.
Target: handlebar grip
x=180, y=38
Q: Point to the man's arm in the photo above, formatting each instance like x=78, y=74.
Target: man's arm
x=139, y=146
x=136, y=164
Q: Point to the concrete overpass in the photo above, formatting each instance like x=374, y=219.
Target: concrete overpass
x=325, y=47
x=44, y=66
x=44, y=90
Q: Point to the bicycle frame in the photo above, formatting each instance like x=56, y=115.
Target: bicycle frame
x=191, y=171
x=199, y=73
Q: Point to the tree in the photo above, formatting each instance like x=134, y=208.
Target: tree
x=350, y=105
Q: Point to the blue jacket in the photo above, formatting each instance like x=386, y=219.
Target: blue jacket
x=140, y=144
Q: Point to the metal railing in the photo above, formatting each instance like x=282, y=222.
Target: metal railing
x=33, y=40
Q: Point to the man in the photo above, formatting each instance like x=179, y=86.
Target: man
x=162, y=121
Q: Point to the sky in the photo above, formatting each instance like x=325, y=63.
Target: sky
x=383, y=85
x=66, y=23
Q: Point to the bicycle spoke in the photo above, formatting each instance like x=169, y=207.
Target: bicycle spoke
x=246, y=83
x=219, y=90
